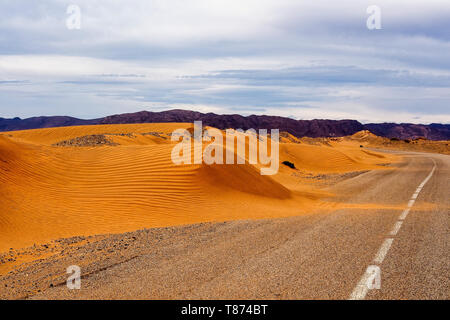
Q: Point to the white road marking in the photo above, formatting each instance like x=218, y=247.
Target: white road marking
x=361, y=289
x=404, y=214
x=397, y=227
x=381, y=254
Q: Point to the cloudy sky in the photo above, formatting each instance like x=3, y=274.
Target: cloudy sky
x=299, y=58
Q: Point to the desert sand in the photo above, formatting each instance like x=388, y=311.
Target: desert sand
x=49, y=191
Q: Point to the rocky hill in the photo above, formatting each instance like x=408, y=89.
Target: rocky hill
x=298, y=128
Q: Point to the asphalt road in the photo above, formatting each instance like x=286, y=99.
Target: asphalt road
x=318, y=256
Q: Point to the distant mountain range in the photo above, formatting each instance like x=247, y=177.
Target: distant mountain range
x=298, y=128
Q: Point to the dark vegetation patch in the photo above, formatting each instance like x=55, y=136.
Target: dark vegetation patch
x=289, y=164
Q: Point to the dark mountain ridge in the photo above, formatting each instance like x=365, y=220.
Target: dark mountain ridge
x=299, y=128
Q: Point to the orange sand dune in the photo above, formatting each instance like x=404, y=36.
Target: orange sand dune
x=327, y=159
x=367, y=138
x=50, y=136
x=50, y=192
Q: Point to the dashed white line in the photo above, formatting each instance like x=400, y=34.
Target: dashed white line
x=396, y=227
x=404, y=214
x=361, y=289
x=381, y=254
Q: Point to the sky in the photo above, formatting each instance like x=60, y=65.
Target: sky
x=296, y=58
